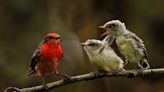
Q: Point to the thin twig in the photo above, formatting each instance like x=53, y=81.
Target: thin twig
x=87, y=77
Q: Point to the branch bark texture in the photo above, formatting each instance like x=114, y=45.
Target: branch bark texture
x=87, y=77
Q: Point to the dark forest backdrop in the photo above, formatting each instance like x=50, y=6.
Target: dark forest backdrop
x=23, y=23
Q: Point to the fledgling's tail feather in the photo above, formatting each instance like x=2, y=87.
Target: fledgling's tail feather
x=144, y=64
x=30, y=72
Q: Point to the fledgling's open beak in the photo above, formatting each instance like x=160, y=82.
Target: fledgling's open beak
x=105, y=31
x=102, y=27
x=83, y=44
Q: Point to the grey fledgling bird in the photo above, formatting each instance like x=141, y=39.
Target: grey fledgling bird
x=103, y=56
x=129, y=44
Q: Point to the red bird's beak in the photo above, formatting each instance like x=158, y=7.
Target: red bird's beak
x=58, y=37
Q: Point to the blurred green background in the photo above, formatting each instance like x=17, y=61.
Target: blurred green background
x=23, y=23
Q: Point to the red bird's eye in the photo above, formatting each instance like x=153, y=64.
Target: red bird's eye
x=51, y=37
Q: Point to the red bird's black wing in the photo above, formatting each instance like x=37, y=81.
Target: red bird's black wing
x=35, y=59
x=36, y=56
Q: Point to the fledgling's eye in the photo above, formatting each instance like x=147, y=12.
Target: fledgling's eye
x=109, y=26
x=113, y=25
x=92, y=44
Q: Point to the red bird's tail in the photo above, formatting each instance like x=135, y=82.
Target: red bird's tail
x=30, y=72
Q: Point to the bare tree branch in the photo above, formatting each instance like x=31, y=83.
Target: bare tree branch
x=86, y=77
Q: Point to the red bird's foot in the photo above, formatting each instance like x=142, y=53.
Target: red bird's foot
x=65, y=77
x=44, y=84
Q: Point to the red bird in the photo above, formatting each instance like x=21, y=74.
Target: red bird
x=46, y=57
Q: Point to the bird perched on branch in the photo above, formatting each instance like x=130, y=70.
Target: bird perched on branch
x=129, y=44
x=103, y=56
x=46, y=58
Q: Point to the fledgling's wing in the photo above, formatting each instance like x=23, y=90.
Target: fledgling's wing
x=109, y=39
x=139, y=43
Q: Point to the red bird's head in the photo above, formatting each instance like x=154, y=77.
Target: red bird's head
x=54, y=37
x=51, y=47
